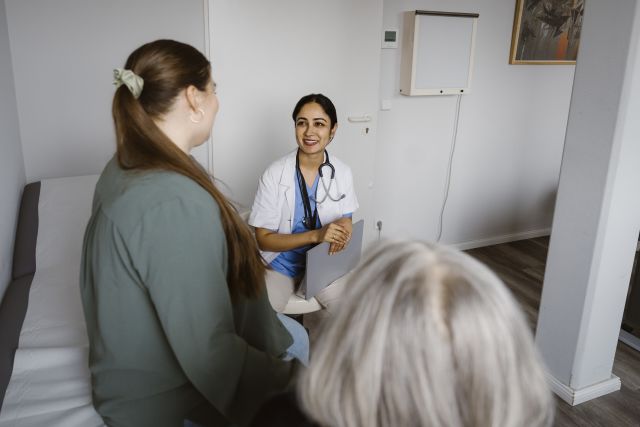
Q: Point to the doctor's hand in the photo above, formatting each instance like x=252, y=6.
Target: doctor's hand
x=344, y=222
x=335, y=234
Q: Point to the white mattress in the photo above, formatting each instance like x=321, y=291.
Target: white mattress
x=50, y=384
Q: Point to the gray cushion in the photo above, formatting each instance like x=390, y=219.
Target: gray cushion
x=13, y=307
x=24, y=252
x=12, y=312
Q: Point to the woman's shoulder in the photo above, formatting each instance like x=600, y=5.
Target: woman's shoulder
x=132, y=193
x=147, y=184
x=276, y=166
x=278, y=169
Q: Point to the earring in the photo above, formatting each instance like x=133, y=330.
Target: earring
x=201, y=112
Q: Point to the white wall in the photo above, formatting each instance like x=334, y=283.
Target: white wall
x=12, y=176
x=64, y=53
x=509, y=144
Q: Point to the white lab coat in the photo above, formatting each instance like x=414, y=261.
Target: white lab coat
x=274, y=204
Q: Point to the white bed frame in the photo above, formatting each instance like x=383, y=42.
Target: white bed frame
x=50, y=382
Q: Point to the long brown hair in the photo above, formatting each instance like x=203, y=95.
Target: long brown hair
x=167, y=67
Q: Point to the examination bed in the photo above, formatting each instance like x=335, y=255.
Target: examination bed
x=44, y=375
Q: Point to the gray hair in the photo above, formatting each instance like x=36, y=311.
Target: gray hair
x=425, y=336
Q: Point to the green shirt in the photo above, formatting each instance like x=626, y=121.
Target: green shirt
x=165, y=338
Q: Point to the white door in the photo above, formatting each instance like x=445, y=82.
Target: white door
x=268, y=54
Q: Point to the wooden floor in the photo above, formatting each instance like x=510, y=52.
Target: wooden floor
x=521, y=266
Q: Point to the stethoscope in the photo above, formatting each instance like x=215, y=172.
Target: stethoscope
x=311, y=218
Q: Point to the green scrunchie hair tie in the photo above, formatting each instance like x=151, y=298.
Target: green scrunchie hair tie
x=130, y=79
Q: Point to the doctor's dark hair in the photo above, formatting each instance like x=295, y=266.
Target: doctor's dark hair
x=168, y=67
x=320, y=99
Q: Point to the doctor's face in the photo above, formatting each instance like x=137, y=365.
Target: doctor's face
x=313, y=129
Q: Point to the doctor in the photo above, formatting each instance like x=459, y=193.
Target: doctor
x=303, y=199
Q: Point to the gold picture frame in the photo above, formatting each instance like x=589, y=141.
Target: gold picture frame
x=546, y=32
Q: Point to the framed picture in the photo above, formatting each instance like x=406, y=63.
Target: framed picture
x=546, y=31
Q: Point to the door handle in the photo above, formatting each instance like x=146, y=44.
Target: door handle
x=359, y=119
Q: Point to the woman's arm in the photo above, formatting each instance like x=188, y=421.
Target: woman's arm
x=347, y=223
x=182, y=266
x=335, y=233
x=272, y=241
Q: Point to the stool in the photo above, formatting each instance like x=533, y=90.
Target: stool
x=297, y=305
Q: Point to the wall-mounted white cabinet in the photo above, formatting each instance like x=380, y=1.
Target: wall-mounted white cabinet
x=437, y=52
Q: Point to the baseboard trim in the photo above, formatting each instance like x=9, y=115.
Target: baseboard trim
x=505, y=238
x=630, y=340
x=575, y=397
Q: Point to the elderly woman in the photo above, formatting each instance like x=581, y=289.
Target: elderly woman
x=426, y=336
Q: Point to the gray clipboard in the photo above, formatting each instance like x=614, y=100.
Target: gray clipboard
x=323, y=269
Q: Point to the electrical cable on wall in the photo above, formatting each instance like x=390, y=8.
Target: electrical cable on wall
x=449, y=168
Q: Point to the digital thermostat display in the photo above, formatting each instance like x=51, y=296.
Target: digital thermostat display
x=390, y=39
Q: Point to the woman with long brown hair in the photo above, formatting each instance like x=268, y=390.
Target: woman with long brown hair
x=172, y=281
